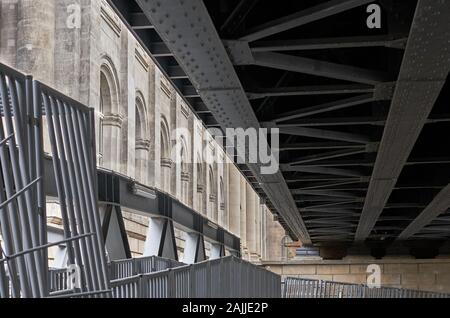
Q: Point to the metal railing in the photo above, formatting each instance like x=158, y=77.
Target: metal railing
x=58, y=277
x=227, y=277
x=308, y=288
x=143, y=265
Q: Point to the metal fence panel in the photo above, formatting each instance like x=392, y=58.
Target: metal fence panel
x=307, y=288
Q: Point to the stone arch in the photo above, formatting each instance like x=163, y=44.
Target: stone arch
x=142, y=143
x=212, y=195
x=184, y=170
x=200, y=185
x=109, y=118
x=222, y=210
x=166, y=161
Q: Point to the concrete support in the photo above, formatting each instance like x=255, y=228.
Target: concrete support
x=243, y=217
x=160, y=239
x=194, y=249
x=217, y=251
x=251, y=222
x=234, y=200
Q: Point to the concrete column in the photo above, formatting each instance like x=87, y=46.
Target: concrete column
x=251, y=222
x=243, y=217
x=36, y=39
x=234, y=200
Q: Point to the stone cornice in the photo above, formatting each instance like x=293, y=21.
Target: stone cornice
x=111, y=18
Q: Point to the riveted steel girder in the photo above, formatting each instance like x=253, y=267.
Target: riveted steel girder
x=200, y=52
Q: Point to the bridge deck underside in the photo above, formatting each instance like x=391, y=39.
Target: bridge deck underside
x=363, y=113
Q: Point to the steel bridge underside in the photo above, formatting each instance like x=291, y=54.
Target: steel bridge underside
x=362, y=112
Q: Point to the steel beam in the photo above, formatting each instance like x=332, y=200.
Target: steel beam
x=398, y=41
x=327, y=155
x=318, y=68
x=324, y=134
x=424, y=70
x=237, y=17
x=310, y=90
x=327, y=107
x=321, y=145
x=326, y=171
x=202, y=55
x=297, y=19
x=439, y=205
x=333, y=121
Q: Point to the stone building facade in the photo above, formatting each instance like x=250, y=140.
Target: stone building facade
x=144, y=128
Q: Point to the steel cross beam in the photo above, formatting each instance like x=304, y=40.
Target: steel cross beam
x=297, y=19
x=437, y=206
x=315, y=67
x=330, y=43
x=425, y=67
x=200, y=52
x=327, y=107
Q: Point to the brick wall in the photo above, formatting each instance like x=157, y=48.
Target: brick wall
x=427, y=275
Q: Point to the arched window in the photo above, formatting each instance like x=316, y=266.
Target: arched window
x=109, y=119
x=212, y=211
x=222, y=212
x=200, y=187
x=184, y=171
x=166, y=161
x=142, y=142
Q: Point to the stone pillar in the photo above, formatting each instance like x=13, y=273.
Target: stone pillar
x=69, y=23
x=166, y=169
x=141, y=168
x=274, y=234
x=243, y=218
x=251, y=222
x=8, y=28
x=258, y=226
x=36, y=39
x=234, y=200
x=112, y=126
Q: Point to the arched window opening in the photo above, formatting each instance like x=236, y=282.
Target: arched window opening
x=185, y=176
x=222, y=213
x=212, y=211
x=200, y=188
x=142, y=143
x=109, y=119
x=166, y=161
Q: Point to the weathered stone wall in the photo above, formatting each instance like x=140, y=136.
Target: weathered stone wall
x=428, y=275
x=82, y=48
